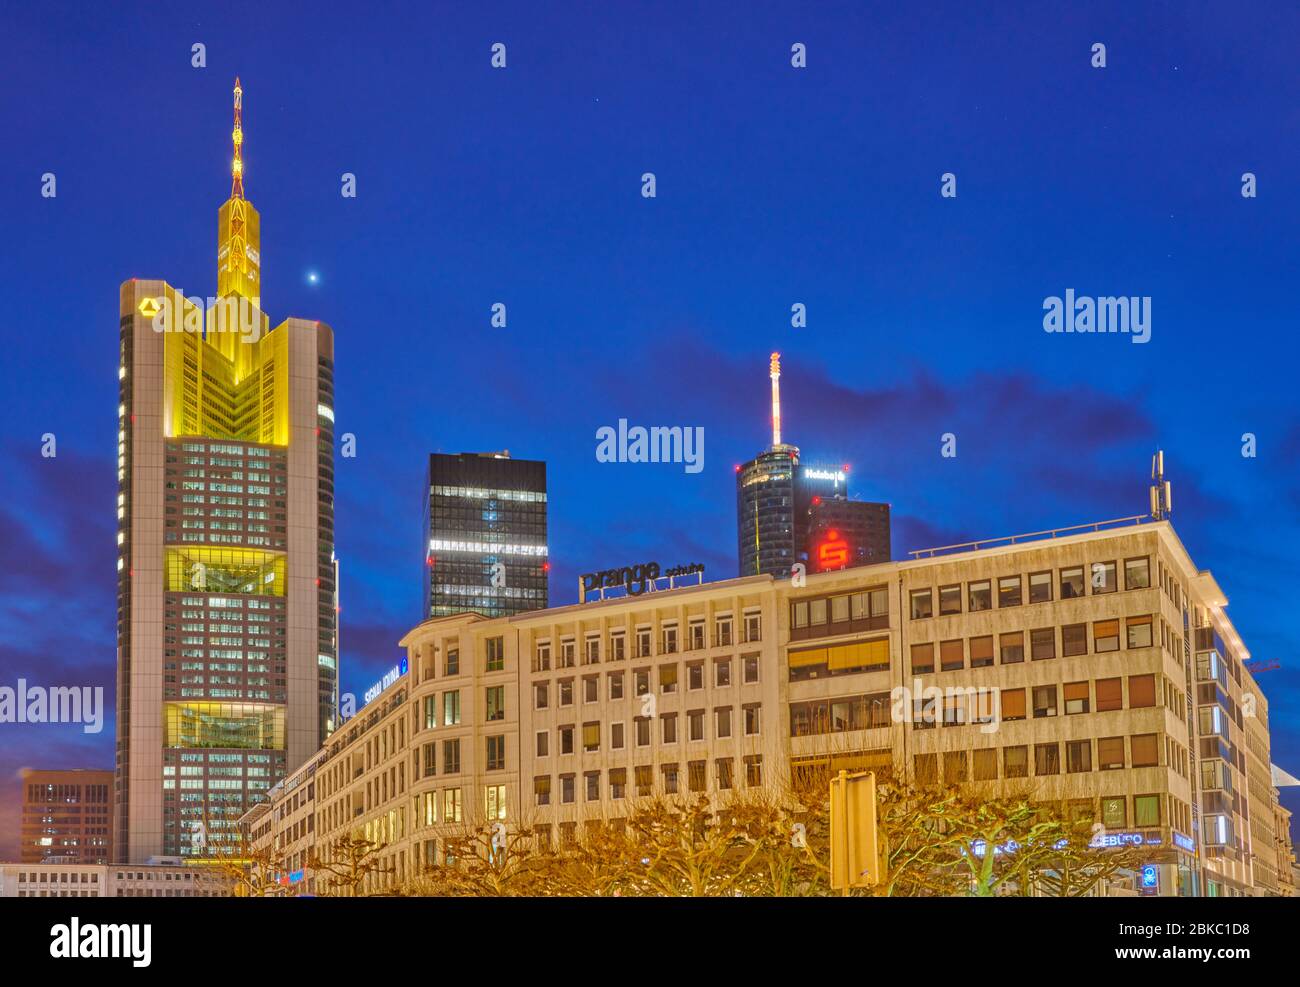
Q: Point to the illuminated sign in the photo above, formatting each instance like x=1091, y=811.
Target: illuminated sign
x=1126, y=839
x=1150, y=876
x=832, y=552
x=835, y=476
x=1184, y=842
x=394, y=673
x=635, y=580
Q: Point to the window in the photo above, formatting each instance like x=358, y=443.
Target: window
x=695, y=635
x=1015, y=762
x=591, y=737
x=670, y=779
x=722, y=630
x=1011, y=648
x=839, y=609
x=753, y=770
x=592, y=785
x=451, y=708
x=722, y=722
x=667, y=678
x=1139, y=631
x=753, y=627
x=1013, y=704
x=922, y=604
x=722, y=672
x=451, y=805
x=615, y=685
x=1114, y=812
x=494, y=801
x=617, y=646
x=565, y=687
x=540, y=695
x=695, y=724
x=496, y=702
x=617, y=783
x=749, y=666
x=751, y=714
x=496, y=753
x=1103, y=578
x=695, y=675
x=542, y=657
x=723, y=770
x=950, y=599
x=616, y=736
x=956, y=769
x=642, y=724
x=1047, y=759
x=670, y=639
x=980, y=596
x=566, y=739
x=952, y=655
x=591, y=651
x=1009, y=591
x=981, y=652
x=543, y=743
x=1137, y=573
x=1074, y=640
x=695, y=775
x=430, y=712
x=566, y=789
x=1044, y=701
x=984, y=764
x=668, y=727
x=927, y=769
x=430, y=760
x=1076, y=697
x=1146, y=750
x=450, y=758
x=496, y=654
x=1141, y=691
x=1110, y=753
x=923, y=658
x=642, y=642
x=1078, y=756
x=641, y=681
x=1146, y=811
x=590, y=688
x=1072, y=583
x=1109, y=695
x=1042, y=643
x=1105, y=636
x=451, y=665
x=1040, y=587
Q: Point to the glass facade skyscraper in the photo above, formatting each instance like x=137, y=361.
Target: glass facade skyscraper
x=227, y=619
x=485, y=535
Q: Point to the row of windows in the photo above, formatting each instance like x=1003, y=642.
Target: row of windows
x=1043, y=644
x=669, y=642
x=1011, y=590
x=724, y=727
x=641, y=682
x=616, y=780
x=982, y=765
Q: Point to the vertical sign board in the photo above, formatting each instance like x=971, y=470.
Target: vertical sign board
x=855, y=858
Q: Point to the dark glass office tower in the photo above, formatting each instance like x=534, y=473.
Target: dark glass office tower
x=765, y=511
x=845, y=533
x=485, y=535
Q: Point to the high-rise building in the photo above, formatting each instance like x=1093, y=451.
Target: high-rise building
x=227, y=621
x=844, y=533
x=485, y=535
x=67, y=817
x=773, y=495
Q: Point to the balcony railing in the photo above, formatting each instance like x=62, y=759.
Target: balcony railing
x=974, y=546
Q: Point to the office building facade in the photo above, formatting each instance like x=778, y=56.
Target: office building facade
x=1121, y=692
x=67, y=817
x=227, y=622
x=485, y=535
x=844, y=533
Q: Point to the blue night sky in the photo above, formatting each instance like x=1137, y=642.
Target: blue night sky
x=775, y=186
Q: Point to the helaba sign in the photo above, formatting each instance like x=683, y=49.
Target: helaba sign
x=393, y=674
x=635, y=579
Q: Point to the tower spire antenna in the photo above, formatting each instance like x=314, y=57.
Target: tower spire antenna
x=237, y=138
x=775, y=374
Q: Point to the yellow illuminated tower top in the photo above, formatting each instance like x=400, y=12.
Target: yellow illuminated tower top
x=239, y=228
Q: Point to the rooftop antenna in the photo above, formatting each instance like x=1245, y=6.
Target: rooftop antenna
x=775, y=374
x=237, y=139
x=1161, y=491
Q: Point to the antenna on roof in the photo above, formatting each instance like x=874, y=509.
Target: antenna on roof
x=1162, y=504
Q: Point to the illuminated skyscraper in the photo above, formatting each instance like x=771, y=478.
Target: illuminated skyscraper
x=227, y=618
x=485, y=535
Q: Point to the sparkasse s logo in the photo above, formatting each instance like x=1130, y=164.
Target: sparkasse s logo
x=75, y=941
